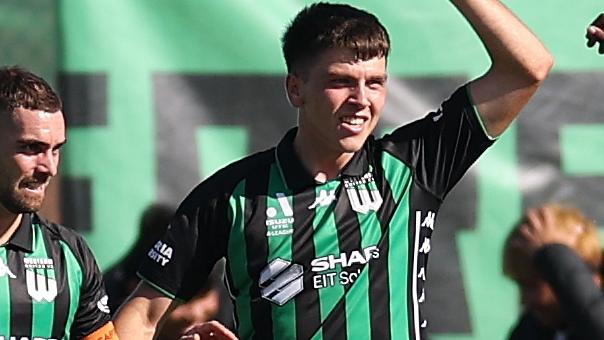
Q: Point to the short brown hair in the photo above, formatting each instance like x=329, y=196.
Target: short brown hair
x=322, y=26
x=568, y=219
x=21, y=88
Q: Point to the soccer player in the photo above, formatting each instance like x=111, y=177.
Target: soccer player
x=50, y=284
x=595, y=33
x=327, y=235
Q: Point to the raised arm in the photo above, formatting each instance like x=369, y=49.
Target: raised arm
x=519, y=63
x=140, y=315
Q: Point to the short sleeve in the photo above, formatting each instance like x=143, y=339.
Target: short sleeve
x=92, y=312
x=179, y=263
x=441, y=146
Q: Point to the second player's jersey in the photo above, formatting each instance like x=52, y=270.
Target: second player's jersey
x=50, y=285
x=345, y=259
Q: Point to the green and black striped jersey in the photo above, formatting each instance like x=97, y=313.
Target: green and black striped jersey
x=50, y=284
x=345, y=259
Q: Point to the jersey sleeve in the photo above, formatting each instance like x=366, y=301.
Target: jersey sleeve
x=92, y=314
x=442, y=145
x=179, y=263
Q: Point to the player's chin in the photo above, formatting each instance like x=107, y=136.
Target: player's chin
x=350, y=145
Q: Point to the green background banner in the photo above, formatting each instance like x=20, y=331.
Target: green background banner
x=159, y=94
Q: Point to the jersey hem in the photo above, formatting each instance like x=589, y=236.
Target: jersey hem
x=158, y=288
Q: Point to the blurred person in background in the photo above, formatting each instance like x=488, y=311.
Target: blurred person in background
x=121, y=278
x=554, y=255
x=50, y=284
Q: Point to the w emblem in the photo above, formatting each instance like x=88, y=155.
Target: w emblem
x=40, y=287
x=363, y=194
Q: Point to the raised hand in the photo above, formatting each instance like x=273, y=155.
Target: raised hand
x=595, y=33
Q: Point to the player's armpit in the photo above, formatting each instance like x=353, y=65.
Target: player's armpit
x=107, y=332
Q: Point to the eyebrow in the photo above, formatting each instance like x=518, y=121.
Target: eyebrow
x=35, y=141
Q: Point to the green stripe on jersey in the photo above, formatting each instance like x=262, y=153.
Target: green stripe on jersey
x=358, y=312
x=4, y=293
x=398, y=176
x=74, y=281
x=325, y=232
x=46, y=286
x=279, y=206
x=238, y=262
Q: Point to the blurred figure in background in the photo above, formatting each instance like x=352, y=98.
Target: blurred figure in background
x=121, y=278
x=595, y=33
x=554, y=256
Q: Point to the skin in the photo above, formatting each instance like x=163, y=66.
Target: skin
x=340, y=100
x=29, y=158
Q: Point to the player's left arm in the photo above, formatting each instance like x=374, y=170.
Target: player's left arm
x=519, y=63
x=92, y=319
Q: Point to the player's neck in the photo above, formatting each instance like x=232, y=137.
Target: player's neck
x=322, y=163
x=9, y=222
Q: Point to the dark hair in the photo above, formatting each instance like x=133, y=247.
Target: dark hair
x=322, y=26
x=21, y=88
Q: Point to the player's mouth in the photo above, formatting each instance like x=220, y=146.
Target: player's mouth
x=34, y=186
x=352, y=124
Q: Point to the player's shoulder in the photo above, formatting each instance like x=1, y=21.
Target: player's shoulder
x=62, y=235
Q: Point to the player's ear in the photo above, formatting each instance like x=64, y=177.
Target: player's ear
x=293, y=84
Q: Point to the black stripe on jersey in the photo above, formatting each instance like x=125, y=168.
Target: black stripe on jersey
x=257, y=251
x=63, y=299
x=308, y=311
x=232, y=291
x=379, y=284
x=20, y=326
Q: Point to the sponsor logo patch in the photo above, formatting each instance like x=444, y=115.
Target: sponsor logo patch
x=161, y=253
x=5, y=270
x=330, y=270
x=280, y=281
x=103, y=304
x=280, y=219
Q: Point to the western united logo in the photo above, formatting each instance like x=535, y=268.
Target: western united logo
x=362, y=193
x=40, y=278
x=280, y=281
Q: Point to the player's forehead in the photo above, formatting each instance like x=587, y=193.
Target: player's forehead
x=340, y=60
x=38, y=125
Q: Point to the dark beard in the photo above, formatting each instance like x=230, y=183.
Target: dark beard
x=17, y=203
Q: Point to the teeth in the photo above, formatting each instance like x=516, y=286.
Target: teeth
x=353, y=120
